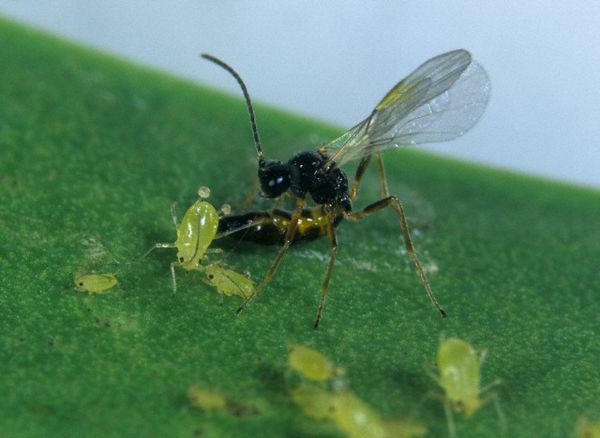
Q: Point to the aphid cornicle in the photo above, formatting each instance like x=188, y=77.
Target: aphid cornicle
x=195, y=233
x=439, y=101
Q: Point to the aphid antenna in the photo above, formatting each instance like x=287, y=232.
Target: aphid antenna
x=251, y=114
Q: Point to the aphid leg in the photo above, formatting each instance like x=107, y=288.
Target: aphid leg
x=450, y=419
x=393, y=200
x=174, y=214
x=289, y=237
x=213, y=251
x=165, y=245
x=482, y=357
x=501, y=418
x=173, y=277
x=333, y=240
x=156, y=246
x=487, y=387
x=429, y=369
x=360, y=171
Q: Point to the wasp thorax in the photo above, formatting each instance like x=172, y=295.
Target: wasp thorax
x=274, y=178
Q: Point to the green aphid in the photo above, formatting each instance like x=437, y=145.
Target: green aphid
x=310, y=363
x=351, y=415
x=459, y=368
x=314, y=402
x=586, y=428
x=356, y=418
x=95, y=283
x=195, y=234
x=228, y=282
x=206, y=399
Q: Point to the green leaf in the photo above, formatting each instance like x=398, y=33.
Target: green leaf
x=93, y=150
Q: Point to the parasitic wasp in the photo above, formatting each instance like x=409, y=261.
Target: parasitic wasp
x=439, y=101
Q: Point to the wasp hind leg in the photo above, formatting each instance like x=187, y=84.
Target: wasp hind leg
x=393, y=201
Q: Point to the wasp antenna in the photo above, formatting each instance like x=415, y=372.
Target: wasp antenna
x=246, y=97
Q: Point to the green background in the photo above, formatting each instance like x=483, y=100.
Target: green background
x=93, y=150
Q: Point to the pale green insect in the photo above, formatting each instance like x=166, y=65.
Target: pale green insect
x=351, y=415
x=356, y=418
x=315, y=402
x=587, y=429
x=310, y=363
x=206, y=399
x=459, y=368
x=195, y=233
x=227, y=281
x=95, y=283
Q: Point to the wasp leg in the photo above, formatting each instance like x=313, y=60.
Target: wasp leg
x=289, y=238
x=156, y=246
x=382, y=180
x=333, y=240
x=360, y=171
x=393, y=201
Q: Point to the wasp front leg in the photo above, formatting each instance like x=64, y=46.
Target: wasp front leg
x=289, y=238
x=332, y=238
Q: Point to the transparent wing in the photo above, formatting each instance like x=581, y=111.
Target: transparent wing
x=439, y=101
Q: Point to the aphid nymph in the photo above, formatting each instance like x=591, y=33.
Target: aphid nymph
x=459, y=368
x=439, y=101
x=227, y=281
x=310, y=363
x=95, y=283
x=195, y=233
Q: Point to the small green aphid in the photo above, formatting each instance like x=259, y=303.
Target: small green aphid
x=195, y=233
x=351, y=415
x=227, y=281
x=206, y=399
x=95, y=283
x=314, y=402
x=356, y=418
x=310, y=363
x=459, y=368
x=587, y=429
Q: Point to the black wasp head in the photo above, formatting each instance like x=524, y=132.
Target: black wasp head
x=274, y=177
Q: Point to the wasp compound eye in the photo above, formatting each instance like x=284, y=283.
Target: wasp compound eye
x=274, y=178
